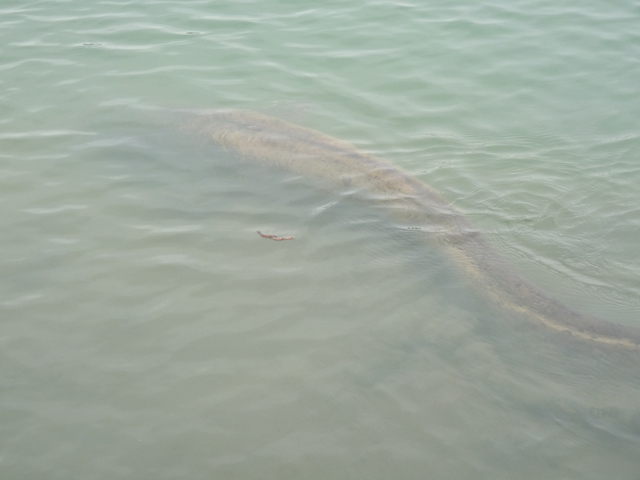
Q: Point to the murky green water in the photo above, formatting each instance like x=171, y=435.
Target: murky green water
x=147, y=331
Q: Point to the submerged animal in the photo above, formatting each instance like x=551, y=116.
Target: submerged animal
x=310, y=153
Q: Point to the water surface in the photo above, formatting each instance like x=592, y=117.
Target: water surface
x=147, y=331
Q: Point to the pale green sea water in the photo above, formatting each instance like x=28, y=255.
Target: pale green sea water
x=147, y=331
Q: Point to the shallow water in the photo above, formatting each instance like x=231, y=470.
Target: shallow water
x=147, y=331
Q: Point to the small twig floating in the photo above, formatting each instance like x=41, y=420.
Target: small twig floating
x=273, y=237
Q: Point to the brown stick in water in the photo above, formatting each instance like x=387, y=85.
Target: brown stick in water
x=273, y=237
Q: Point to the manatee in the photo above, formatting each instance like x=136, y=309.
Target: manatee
x=279, y=144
